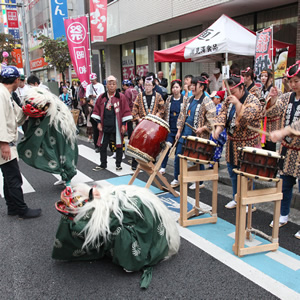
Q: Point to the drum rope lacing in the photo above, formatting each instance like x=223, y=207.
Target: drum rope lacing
x=203, y=211
x=258, y=232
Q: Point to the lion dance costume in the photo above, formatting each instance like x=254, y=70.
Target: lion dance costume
x=127, y=223
x=49, y=142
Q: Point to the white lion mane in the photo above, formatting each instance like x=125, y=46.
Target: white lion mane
x=58, y=112
x=114, y=199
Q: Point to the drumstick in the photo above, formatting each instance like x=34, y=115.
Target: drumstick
x=194, y=129
x=171, y=153
x=227, y=87
x=259, y=130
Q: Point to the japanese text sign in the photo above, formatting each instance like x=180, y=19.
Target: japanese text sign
x=12, y=18
x=98, y=20
x=59, y=12
x=78, y=42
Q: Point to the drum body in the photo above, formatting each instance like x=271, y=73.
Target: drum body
x=146, y=139
x=198, y=148
x=259, y=161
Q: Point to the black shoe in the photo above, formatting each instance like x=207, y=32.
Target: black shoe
x=133, y=168
x=31, y=213
x=97, y=150
x=12, y=213
x=98, y=168
x=118, y=168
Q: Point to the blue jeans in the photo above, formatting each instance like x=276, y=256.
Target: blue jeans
x=171, y=139
x=233, y=178
x=287, y=190
x=176, y=163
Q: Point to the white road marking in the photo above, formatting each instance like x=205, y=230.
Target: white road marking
x=285, y=260
x=78, y=178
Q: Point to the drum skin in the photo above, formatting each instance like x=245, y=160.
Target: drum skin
x=146, y=139
x=199, y=148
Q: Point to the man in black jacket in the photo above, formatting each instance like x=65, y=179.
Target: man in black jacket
x=163, y=81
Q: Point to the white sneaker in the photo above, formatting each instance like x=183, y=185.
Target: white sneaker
x=174, y=183
x=231, y=204
x=283, y=220
x=162, y=171
x=192, y=186
x=123, y=157
x=59, y=182
x=297, y=235
x=113, y=156
x=253, y=209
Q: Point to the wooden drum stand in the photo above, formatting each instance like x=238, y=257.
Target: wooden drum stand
x=247, y=196
x=194, y=174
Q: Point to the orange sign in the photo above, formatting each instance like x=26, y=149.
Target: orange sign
x=38, y=63
x=17, y=56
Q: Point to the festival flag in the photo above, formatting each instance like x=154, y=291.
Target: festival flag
x=263, y=50
x=280, y=66
x=78, y=42
x=98, y=20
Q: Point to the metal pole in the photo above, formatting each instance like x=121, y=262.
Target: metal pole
x=90, y=44
x=25, y=41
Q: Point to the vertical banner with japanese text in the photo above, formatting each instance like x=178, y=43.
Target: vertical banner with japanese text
x=263, y=50
x=98, y=20
x=78, y=42
x=59, y=12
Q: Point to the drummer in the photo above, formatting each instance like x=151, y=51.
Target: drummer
x=239, y=110
x=249, y=82
x=287, y=106
x=147, y=102
x=172, y=109
x=198, y=111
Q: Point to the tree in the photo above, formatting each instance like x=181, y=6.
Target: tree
x=56, y=53
x=7, y=44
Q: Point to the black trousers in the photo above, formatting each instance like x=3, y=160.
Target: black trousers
x=95, y=131
x=107, y=136
x=129, y=128
x=12, y=186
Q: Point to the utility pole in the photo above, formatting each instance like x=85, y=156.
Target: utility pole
x=25, y=43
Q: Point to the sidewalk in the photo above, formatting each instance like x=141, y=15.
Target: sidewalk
x=223, y=173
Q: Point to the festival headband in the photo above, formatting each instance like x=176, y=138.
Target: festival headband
x=246, y=71
x=204, y=82
x=287, y=71
x=149, y=79
x=176, y=80
x=241, y=81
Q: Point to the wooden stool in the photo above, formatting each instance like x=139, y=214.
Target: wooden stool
x=194, y=174
x=153, y=171
x=247, y=196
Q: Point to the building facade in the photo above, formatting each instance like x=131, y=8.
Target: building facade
x=136, y=28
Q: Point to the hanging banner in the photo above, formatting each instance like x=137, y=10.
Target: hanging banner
x=15, y=33
x=12, y=18
x=17, y=57
x=59, y=12
x=280, y=66
x=78, y=42
x=263, y=50
x=98, y=20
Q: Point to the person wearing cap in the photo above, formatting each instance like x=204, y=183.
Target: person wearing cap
x=287, y=107
x=11, y=116
x=215, y=80
x=239, y=110
x=93, y=91
x=111, y=112
x=22, y=88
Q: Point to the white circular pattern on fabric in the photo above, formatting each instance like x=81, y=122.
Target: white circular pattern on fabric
x=161, y=229
x=62, y=159
x=136, y=249
x=78, y=253
x=23, y=139
x=37, y=122
x=77, y=234
x=57, y=243
x=52, y=164
x=28, y=153
x=39, y=132
x=52, y=140
x=117, y=231
x=41, y=152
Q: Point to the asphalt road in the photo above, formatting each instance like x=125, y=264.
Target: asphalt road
x=28, y=271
